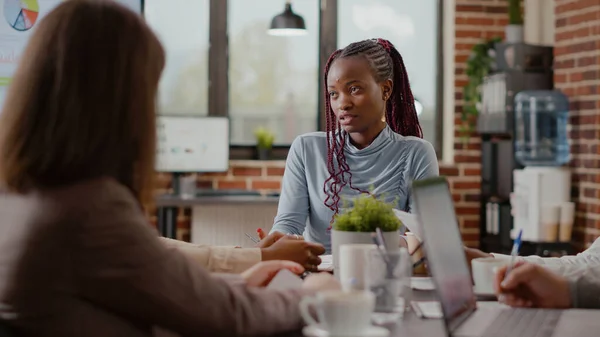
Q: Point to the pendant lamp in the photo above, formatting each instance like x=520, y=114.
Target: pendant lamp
x=287, y=23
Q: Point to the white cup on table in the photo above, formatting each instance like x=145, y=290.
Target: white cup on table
x=484, y=274
x=340, y=313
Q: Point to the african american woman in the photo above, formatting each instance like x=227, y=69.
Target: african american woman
x=373, y=143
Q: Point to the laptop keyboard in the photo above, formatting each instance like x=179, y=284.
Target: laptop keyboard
x=524, y=323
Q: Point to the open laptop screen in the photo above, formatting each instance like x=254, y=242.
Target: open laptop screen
x=444, y=248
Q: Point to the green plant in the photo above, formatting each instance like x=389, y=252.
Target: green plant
x=515, y=16
x=479, y=65
x=366, y=215
x=264, y=138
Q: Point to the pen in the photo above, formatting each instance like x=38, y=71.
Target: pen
x=419, y=262
x=514, y=252
x=252, y=238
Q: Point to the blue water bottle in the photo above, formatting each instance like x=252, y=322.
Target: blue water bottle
x=541, y=119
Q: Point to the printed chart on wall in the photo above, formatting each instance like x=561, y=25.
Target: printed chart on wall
x=18, y=21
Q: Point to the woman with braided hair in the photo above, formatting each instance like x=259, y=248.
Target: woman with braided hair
x=373, y=143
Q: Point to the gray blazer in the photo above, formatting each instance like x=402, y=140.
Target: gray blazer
x=83, y=261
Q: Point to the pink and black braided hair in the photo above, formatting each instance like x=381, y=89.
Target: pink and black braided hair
x=401, y=115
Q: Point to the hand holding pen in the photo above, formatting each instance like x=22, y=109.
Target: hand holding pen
x=514, y=252
x=531, y=285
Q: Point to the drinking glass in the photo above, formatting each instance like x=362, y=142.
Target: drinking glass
x=388, y=277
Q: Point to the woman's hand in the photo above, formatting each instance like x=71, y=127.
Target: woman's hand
x=321, y=282
x=269, y=240
x=261, y=274
x=290, y=249
x=531, y=285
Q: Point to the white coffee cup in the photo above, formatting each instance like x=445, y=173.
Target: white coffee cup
x=484, y=274
x=352, y=263
x=341, y=313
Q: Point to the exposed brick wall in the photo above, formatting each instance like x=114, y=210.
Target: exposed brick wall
x=577, y=74
x=261, y=176
x=475, y=21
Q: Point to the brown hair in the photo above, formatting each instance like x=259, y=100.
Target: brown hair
x=82, y=102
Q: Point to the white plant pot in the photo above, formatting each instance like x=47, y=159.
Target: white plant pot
x=338, y=238
x=514, y=34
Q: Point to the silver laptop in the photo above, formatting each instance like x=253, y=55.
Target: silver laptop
x=448, y=266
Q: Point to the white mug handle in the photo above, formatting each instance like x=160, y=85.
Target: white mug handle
x=305, y=304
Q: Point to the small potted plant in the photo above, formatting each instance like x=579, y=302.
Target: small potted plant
x=514, y=30
x=264, y=142
x=358, y=223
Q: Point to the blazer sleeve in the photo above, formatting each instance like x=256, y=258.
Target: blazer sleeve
x=585, y=289
x=220, y=259
x=565, y=265
x=121, y=265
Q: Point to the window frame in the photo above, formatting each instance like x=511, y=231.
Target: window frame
x=218, y=73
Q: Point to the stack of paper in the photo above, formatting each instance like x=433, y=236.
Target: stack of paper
x=326, y=263
x=422, y=283
x=411, y=222
x=427, y=309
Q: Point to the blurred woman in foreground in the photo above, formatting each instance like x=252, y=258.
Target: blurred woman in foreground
x=77, y=142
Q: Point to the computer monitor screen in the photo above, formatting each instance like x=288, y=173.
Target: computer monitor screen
x=445, y=253
x=192, y=144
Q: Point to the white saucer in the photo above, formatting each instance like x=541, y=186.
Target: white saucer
x=372, y=331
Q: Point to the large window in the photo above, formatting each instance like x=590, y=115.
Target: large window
x=221, y=61
x=182, y=27
x=272, y=79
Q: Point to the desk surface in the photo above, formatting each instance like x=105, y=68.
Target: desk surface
x=410, y=325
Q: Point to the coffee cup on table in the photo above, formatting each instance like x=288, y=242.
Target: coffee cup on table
x=340, y=313
x=484, y=273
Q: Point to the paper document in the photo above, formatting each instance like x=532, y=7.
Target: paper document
x=427, y=309
x=326, y=263
x=422, y=283
x=410, y=221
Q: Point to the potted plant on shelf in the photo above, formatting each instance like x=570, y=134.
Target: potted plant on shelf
x=514, y=30
x=358, y=223
x=479, y=65
x=264, y=143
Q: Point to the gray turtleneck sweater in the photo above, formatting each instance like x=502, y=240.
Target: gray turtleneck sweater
x=386, y=168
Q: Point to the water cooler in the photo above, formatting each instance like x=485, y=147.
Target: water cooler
x=540, y=201
x=517, y=67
